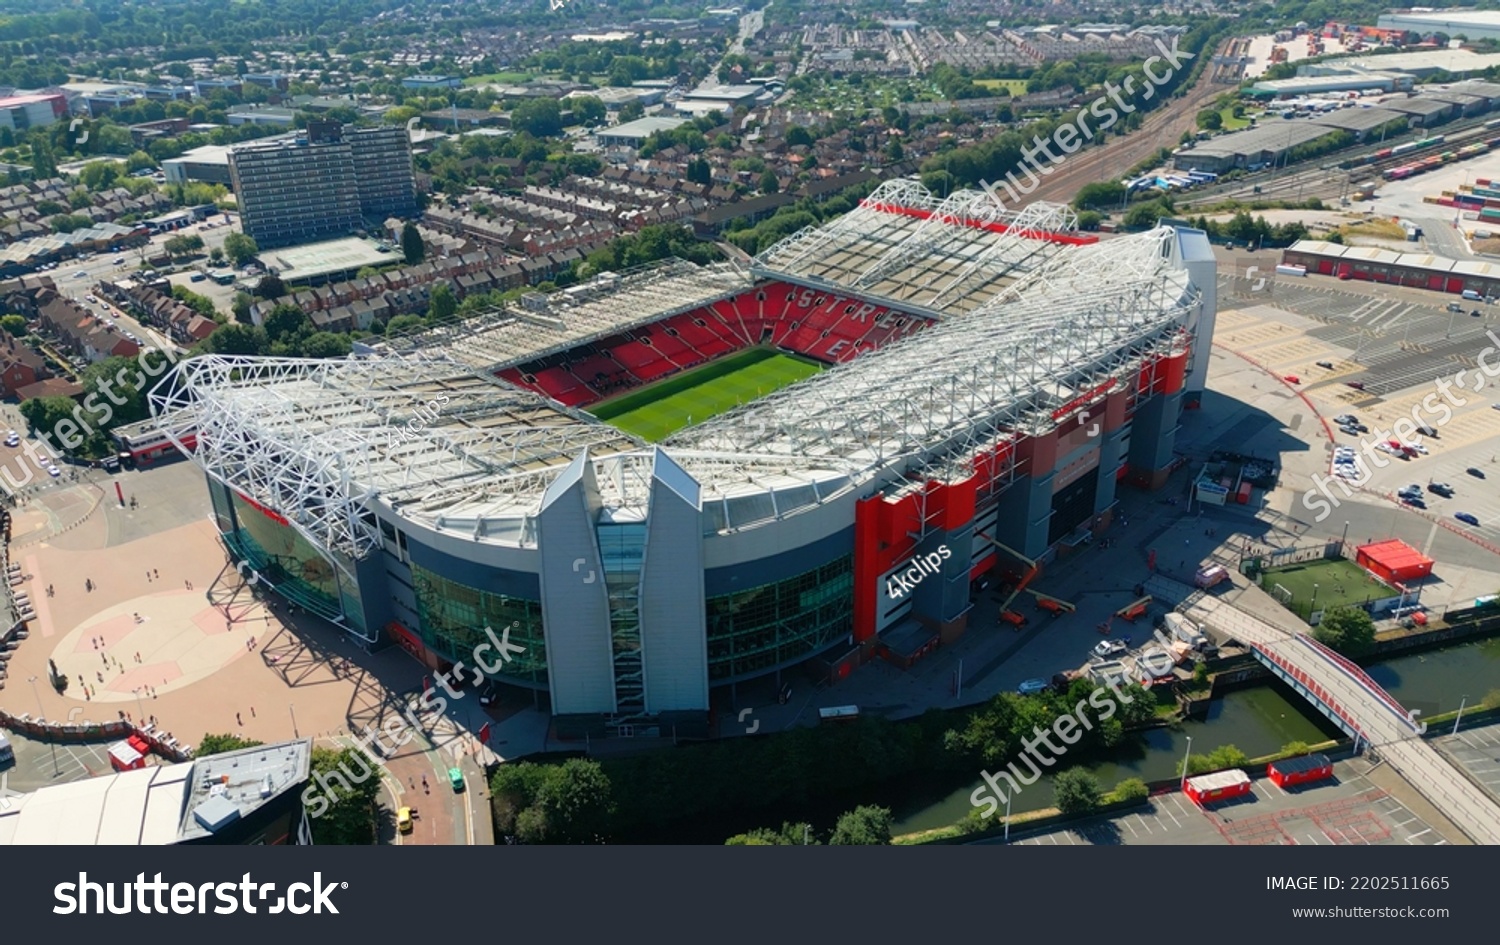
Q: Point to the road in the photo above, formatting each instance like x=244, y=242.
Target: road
x=1160, y=129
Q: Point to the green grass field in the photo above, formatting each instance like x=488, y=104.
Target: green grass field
x=1340, y=583
x=500, y=78
x=664, y=408
x=1014, y=86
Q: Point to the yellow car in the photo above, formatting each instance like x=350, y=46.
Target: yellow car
x=403, y=820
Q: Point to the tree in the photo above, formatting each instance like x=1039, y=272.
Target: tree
x=1210, y=120
x=1348, y=630
x=1220, y=759
x=768, y=183
x=99, y=175
x=270, y=286
x=241, y=307
x=587, y=109
x=240, y=248
x=235, y=338
x=1076, y=790
x=576, y=798
x=183, y=245
x=211, y=744
x=442, y=303
x=15, y=325
x=350, y=787
x=790, y=835
x=412, y=245
x=403, y=323
x=865, y=825
x=797, y=134
x=285, y=321
x=539, y=117
x=1130, y=789
x=326, y=344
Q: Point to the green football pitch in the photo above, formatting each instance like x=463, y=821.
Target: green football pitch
x=664, y=408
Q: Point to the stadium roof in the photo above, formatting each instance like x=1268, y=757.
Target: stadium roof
x=1034, y=324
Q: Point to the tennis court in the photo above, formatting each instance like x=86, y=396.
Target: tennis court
x=664, y=408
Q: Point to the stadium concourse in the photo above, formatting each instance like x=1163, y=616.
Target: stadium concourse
x=991, y=377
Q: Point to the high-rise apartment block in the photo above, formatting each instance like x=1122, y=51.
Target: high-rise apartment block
x=322, y=182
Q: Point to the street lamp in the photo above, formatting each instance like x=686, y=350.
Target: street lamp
x=41, y=713
x=139, y=707
x=1185, y=756
x=1462, y=702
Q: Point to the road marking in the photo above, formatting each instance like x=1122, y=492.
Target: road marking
x=1133, y=831
x=1416, y=835
x=1143, y=822
x=1171, y=815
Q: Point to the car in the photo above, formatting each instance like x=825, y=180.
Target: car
x=91, y=300
x=1348, y=430
x=1427, y=431
x=1292, y=379
x=81, y=274
x=1360, y=427
x=1108, y=648
x=13, y=441
x=490, y=694
x=1466, y=518
x=1412, y=489
x=1476, y=314
x=1326, y=365
x=403, y=819
x=1357, y=385
x=1032, y=686
x=1475, y=471
x=1418, y=447
x=53, y=471
x=1440, y=488
x=1415, y=501
x=456, y=779
x=1495, y=406
x=1345, y=419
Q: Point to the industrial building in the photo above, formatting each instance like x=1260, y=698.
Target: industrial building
x=248, y=797
x=20, y=112
x=1372, y=264
x=1471, y=24
x=632, y=134
x=993, y=379
x=321, y=183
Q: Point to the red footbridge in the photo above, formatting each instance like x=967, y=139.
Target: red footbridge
x=1347, y=695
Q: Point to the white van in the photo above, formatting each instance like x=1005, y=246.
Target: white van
x=1471, y=295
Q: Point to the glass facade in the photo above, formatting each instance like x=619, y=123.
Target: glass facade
x=622, y=548
x=297, y=569
x=775, y=624
x=454, y=617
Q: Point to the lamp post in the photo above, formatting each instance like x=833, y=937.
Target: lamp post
x=1007, y=816
x=1344, y=540
x=139, y=707
x=1462, y=702
x=56, y=768
x=1185, y=756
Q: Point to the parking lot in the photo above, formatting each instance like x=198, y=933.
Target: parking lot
x=34, y=767
x=1348, y=810
x=1477, y=751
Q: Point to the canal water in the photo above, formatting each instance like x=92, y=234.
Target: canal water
x=1258, y=721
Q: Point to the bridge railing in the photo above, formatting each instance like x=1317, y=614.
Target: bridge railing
x=1354, y=671
x=1313, y=688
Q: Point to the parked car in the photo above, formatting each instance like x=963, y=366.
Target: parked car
x=1476, y=314
x=1475, y=471
x=490, y=694
x=1032, y=686
x=1427, y=431
x=1440, y=488
x=1345, y=419
x=1415, y=501
x=1293, y=379
x=1466, y=518
x=1326, y=365
x=1357, y=385
x=1109, y=648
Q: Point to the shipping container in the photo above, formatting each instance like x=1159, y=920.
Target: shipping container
x=1219, y=786
x=1304, y=769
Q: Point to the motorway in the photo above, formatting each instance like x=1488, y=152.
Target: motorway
x=1394, y=736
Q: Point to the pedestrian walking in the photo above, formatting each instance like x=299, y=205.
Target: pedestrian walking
x=156, y=572
x=238, y=719
x=252, y=712
x=148, y=577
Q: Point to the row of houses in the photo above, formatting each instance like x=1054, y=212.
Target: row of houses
x=361, y=303
x=152, y=303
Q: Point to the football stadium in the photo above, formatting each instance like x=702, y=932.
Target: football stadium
x=674, y=480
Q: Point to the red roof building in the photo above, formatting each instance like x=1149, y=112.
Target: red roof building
x=1393, y=561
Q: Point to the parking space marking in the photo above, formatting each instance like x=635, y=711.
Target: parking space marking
x=1133, y=831
x=1416, y=835
x=1175, y=821
x=1143, y=822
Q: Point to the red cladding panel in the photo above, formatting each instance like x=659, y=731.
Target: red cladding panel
x=1174, y=373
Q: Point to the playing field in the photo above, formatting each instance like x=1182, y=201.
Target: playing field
x=1340, y=583
x=664, y=408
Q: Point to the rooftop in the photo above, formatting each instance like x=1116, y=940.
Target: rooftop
x=313, y=260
